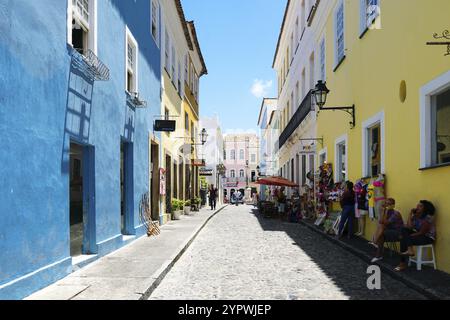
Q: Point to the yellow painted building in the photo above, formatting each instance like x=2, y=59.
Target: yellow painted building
x=182, y=65
x=195, y=68
x=400, y=87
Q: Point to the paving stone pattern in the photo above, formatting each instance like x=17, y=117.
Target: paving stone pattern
x=240, y=255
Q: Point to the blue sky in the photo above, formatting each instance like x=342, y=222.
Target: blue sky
x=238, y=40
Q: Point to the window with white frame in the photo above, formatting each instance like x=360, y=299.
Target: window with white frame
x=373, y=145
x=322, y=157
x=296, y=32
x=304, y=169
x=292, y=47
x=233, y=174
x=370, y=10
x=339, y=26
x=322, y=60
x=293, y=102
x=155, y=22
x=253, y=158
x=303, y=94
x=180, y=87
x=297, y=94
x=303, y=17
x=435, y=122
x=167, y=53
x=131, y=62
x=173, y=65
x=233, y=154
x=241, y=173
x=312, y=71
x=82, y=22
x=341, y=173
x=440, y=128
x=241, y=154
x=186, y=69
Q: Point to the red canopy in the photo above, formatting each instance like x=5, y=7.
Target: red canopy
x=277, y=181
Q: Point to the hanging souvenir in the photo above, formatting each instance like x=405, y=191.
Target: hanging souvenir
x=379, y=195
x=371, y=200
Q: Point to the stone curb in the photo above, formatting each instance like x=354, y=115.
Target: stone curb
x=427, y=292
x=161, y=273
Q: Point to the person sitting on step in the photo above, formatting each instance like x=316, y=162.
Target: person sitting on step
x=389, y=229
x=419, y=231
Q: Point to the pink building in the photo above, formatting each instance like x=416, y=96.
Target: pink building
x=241, y=158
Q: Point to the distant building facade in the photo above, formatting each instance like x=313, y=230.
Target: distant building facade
x=241, y=160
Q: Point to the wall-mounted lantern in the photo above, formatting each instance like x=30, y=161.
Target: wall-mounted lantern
x=320, y=96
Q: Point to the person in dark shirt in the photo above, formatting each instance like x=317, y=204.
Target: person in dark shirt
x=348, y=209
x=420, y=230
x=389, y=229
x=212, y=197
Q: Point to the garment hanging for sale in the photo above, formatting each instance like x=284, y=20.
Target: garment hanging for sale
x=379, y=196
x=371, y=200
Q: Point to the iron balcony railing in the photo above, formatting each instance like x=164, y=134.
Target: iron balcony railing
x=87, y=62
x=303, y=110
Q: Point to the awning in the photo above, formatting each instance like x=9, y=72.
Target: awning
x=276, y=181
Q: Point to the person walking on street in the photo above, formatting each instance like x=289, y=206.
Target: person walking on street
x=213, y=197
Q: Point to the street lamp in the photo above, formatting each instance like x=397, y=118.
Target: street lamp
x=204, y=136
x=320, y=94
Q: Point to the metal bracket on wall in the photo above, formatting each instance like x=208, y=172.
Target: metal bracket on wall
x=320, y=140
x=445, y=35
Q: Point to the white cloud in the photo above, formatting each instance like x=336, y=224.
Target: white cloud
x=260, y=88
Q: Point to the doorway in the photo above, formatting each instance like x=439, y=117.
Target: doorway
x=81, y=200
x=154, y=167
x=126, y=188
x=168, y=184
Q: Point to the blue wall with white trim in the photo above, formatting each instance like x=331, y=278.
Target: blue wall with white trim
x=42, y=98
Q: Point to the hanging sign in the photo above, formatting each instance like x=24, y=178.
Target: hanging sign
x=165, y=125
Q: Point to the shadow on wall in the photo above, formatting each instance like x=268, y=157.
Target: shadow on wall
x=78, y=107
x=129, y=125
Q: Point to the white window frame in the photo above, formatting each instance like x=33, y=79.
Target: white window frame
x=432, y=88
x=312, y=68
x=323, y=59
x=342, y=140
x=338, y=59
x=167, y=56
x=322, y=152
x=242, y=173
x=156, y=7
x=365, y=20
x=129, y=38
x=241, y=154
x=92, y=24
x=379, y=118
x=173, y=65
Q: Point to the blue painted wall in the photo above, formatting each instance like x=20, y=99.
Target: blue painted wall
x=45, y=102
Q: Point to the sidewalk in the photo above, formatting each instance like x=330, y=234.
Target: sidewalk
x=134, y=271
x=434, y=284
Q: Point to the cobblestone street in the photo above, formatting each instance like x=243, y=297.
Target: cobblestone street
x=240, y=255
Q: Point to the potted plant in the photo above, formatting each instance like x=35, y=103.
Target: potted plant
x=197, y=202
x=187, y=207
x=176, y=215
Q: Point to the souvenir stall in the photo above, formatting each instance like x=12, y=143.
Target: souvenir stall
x=274, y=207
